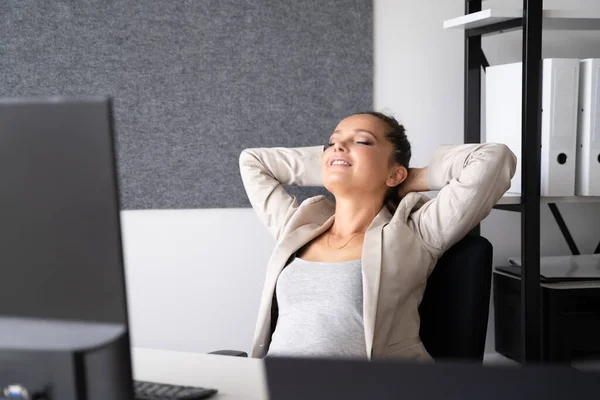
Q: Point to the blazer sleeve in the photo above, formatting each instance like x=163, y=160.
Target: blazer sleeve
x=264, y=171
x=471, y=179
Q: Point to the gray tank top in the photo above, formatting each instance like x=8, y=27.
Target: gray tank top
x=320, y=310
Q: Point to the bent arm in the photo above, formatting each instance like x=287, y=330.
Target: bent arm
x=264, y=171
x=471, y=179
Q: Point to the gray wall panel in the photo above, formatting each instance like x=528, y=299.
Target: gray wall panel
x=195, y=82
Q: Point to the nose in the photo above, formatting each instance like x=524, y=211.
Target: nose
x=340, y=145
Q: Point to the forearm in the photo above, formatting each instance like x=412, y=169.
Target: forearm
x=449, y=163
x=264, y=171
x=471, y=178
x=288, y=166
x=474, y=163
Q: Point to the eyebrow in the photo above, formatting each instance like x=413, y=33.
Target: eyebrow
x=358, y=131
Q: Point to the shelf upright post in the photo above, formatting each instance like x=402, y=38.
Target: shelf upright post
x=472, y=101
x=472, y=111
x=531, y=168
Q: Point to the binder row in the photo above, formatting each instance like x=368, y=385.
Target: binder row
x=570, y=153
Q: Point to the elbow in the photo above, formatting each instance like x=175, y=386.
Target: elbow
x=510, y=160
x=243, y=159
x=505, y=159
x=244, y=155
x=248, y=163
x=247, y=157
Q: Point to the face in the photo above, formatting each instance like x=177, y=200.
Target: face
x=359, y=159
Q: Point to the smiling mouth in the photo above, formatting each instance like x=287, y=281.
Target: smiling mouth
x=340, y=163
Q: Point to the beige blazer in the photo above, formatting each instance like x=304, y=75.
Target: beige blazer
x=399, y=250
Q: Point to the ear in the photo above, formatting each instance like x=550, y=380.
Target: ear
x=397, y=175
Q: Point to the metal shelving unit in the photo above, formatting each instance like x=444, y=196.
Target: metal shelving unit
x=531, y=19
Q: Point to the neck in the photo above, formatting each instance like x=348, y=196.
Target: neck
x=354, y=215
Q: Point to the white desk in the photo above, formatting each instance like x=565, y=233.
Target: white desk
x=234, y=377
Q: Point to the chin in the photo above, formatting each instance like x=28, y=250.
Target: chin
x=340, y=186
x=337, y=180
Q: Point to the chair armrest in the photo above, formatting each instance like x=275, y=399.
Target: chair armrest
x=233, y=353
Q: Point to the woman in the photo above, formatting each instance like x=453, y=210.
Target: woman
x=346, y=278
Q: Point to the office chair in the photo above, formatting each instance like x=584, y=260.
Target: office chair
x=455, y=307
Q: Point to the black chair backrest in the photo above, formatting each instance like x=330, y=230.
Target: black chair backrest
x=455, y=307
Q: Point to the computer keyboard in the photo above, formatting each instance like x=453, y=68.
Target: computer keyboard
x=162, y=391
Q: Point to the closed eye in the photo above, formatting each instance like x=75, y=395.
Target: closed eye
x=364, y=143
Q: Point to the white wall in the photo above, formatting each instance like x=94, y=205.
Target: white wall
x=195, y=276
x=418, y=73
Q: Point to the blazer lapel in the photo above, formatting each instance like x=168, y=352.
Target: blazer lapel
x=294, y=242
x=371, y=273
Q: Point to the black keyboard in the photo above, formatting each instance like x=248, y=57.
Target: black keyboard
x=162, y=391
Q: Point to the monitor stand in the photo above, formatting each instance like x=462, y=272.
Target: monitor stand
x=64, y=360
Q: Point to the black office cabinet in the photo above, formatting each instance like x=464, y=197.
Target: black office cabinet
x=570, y=319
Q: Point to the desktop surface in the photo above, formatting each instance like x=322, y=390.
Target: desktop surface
x=236, y=378
x=276, y=378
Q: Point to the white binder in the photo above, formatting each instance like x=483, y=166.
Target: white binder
x=587, y=181
x=560, y=87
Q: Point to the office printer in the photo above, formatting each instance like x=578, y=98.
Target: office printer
x=570, y=308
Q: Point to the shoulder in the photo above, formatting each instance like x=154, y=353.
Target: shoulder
x=410, y=204
x=408, y=216
x=318, y=200
x=314, y=210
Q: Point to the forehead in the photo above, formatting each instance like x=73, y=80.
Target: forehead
x=364, y=122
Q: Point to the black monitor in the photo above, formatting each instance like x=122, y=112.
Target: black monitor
x=63, y=313
x=353, y=379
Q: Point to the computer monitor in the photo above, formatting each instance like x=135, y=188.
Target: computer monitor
x=63, y=313
x=354, y=379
